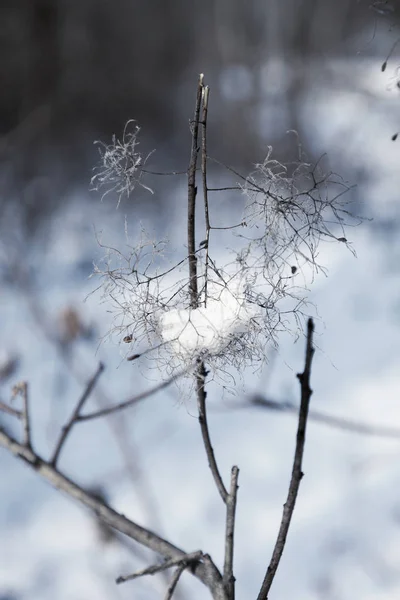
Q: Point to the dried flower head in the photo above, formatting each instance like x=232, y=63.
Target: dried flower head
x=243, y=303
x=122, y=164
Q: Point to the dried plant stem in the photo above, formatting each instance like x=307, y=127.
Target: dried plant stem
x=192, y=192
x=206, y=570
x=228, y=578
x=200, y=376
x=21, y=389
x=25, y=416
x=201, y=405
x=172, y=562
x=297, y=473
x=174, y=581
x=339, y=423
x=206, y=242
x=10, y=410
x=117, y=423
x=75, y=415
x=131, y=401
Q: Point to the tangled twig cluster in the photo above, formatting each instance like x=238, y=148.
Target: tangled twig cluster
x=243, y=305
x=121, y=165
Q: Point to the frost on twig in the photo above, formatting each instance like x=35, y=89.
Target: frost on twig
x=121, y=165
x=243, y=303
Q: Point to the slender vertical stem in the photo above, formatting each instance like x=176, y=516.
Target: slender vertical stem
x=192, y=191
x=200, y=375
x=228, y=578
x=21, y=389
x=201, y=405
x=206, y=92
x=25, y=416
x=297, y=473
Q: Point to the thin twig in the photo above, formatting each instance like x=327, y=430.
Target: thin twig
x=206, y=570
x=201, y=405
x=341, y=423
x=25, y=416
x=228, y=227
x=192, y=192
x=228, y=577
x=164, y=173
x=205, y=96
x=224, y=189
x=132, y=401
x=75, y=415
x=201, y=102
x=21, y=389
x=10, y=410
x=174, y=581
x=297, y=473
x=390, y=54
x=167, y=564
x=221, y=164
x=117, y=423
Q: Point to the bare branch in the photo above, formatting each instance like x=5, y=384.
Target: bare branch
x=25, y=416
x=225, y=189
x=10, y=410
x=201, y=103
x=205, y=243
x=341, y=423
x=117, y=423
x=132, y=401
x=75, y=415
x=21, y=389
x=153, y=569
x=174, y=581
x=205, y=571
x=192, y=192
x=297, y=473
x=228, y=578
x=168, y=173
x=201, y=405
x=288, y=211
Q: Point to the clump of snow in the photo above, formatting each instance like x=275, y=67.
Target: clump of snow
x=209, y=329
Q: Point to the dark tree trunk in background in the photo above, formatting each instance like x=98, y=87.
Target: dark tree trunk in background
x=44, y=67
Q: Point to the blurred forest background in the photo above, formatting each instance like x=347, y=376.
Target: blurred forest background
x=73, y=72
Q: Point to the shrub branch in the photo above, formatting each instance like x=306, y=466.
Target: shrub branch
x=297, y=474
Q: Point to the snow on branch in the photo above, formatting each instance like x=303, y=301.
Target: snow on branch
x=208, y=330
x=225, y=313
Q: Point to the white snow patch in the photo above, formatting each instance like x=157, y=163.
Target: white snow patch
x=210, y=328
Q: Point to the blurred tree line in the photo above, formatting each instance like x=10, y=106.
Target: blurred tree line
x=74, y=71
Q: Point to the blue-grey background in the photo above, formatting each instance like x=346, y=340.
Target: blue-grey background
x=75, y=72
